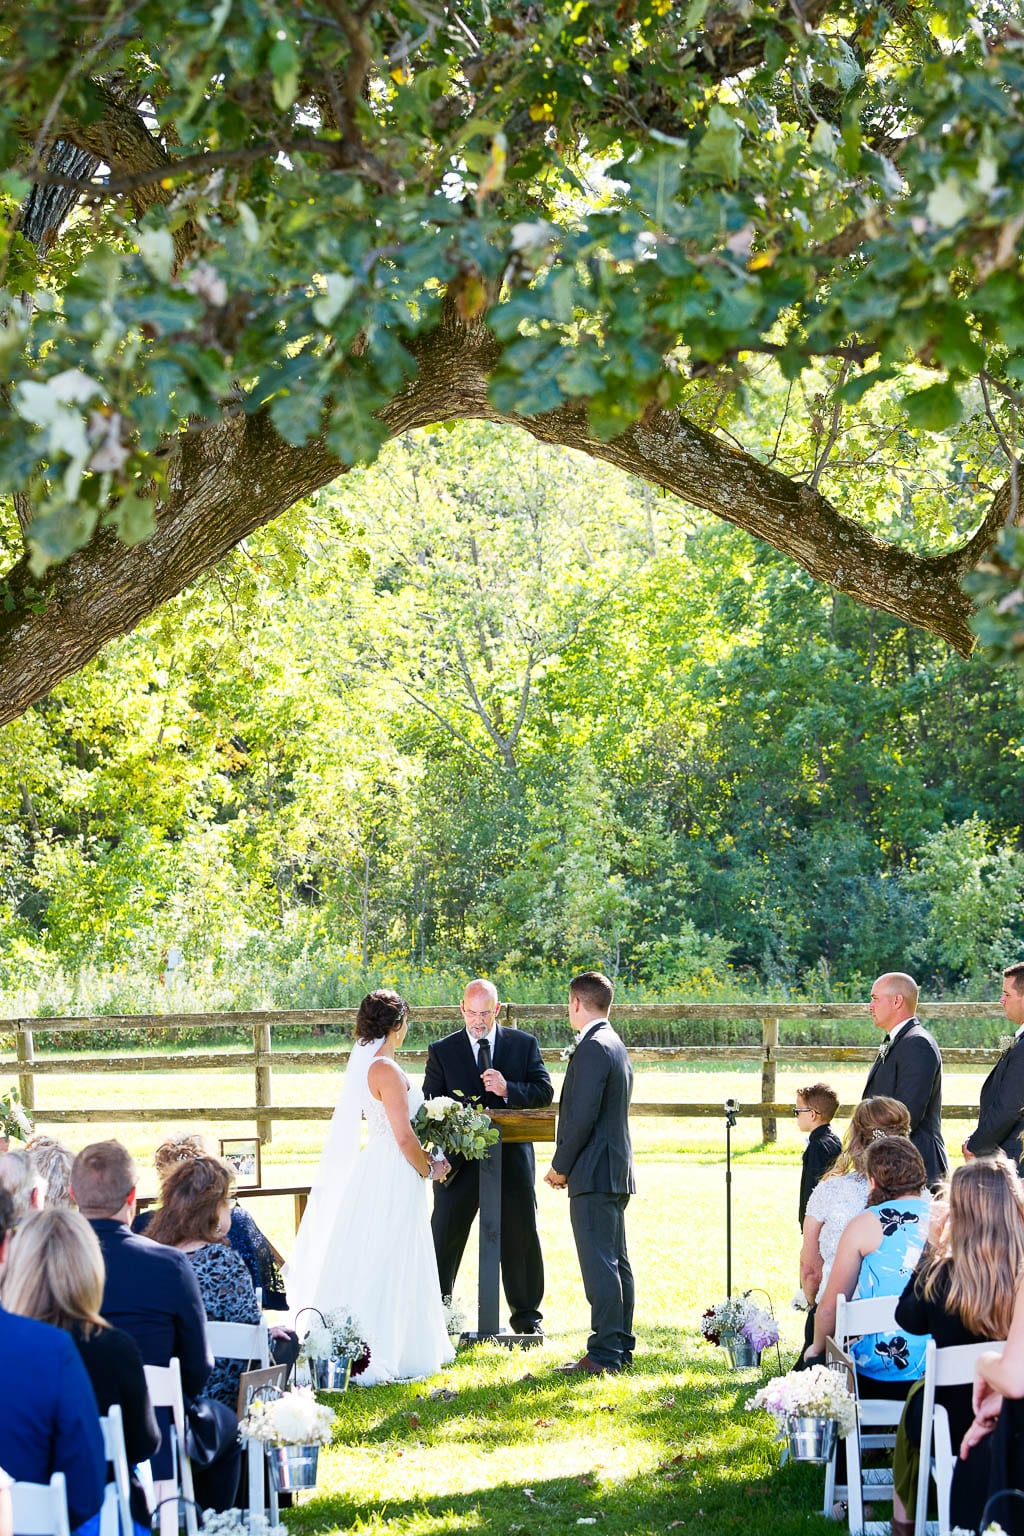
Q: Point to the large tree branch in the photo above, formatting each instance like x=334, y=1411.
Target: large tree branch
x=234, y=476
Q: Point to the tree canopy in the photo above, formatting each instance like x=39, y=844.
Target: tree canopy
x=244, y=244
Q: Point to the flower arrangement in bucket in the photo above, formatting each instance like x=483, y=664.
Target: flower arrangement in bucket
x=741, y=1327
x=334, y=1350
x=812, y=1407
x=239, y=1522
x=446, y=1126
x=14, y=1119
x=292, y=1426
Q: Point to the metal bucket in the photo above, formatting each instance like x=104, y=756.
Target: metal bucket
x=811, y=1439
x=742, y=1354
x=292, y=1467
x=331, y=1375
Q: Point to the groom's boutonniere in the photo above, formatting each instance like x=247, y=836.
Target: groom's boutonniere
x=568, y=1051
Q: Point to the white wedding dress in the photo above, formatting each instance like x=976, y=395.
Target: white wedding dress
x=364, y=1243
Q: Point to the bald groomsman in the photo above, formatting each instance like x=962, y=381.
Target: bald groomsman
x=908, y=1067
x=1001, y=1106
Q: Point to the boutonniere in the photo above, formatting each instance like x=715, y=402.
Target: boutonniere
x=1006, y=1043
x=568, y=1051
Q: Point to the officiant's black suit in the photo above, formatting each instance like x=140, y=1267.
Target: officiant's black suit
x=911, y=1071
x=452, y=1069
x=1001, y=1108
x=594, y=1153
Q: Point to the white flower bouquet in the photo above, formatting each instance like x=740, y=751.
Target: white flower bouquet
x=452, y=1128
x=294, y=1418
x=740, y=1317
x=14, y=1120
x=238, y=1522
x=337, y=1337
x=818, y=1393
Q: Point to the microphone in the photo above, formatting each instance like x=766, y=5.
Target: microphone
x=483, y=1056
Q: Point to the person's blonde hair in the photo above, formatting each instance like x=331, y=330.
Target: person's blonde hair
x=55, y=1270
x=184, y=1148
x=981, y=1246
x=879, y=1116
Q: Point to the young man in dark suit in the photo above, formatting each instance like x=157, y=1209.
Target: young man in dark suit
x=1001, y=1105
x=594, y=1160
x=500, y=1069
x=908, y=1067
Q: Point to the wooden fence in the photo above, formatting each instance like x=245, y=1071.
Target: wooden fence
x=260, y=1057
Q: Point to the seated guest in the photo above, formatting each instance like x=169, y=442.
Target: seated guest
x=23, y=1182
x=961, y=1293
x=992, y=1450
x=193, y=1218
x=245, y=1237
x=6, y=1512
x=52, y=1160
x=50, y=1419
x=55, y=1274
x=877, y=1254
x=151, y=1292
x=843, y=1191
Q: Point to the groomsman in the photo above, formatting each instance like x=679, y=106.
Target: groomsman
x=594, y=1160
x=502, y=1069
x=908, y=1067
x=1001, y=1106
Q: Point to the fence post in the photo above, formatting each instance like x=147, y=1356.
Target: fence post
x=264, y=1084
x=769, y=1040
x=26, y=1081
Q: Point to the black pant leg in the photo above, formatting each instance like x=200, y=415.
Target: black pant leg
x=598, y=1226
x=455, y=1207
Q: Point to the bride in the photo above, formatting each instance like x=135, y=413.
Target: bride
x=364, y=1243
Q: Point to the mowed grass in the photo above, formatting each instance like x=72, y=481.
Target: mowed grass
x=512, y=1446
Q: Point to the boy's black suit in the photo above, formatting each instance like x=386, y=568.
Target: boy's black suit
x=452, y=1070
x=911, y=1071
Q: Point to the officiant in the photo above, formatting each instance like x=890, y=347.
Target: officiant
x=499, y=1068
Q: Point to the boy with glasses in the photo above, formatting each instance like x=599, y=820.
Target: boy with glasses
x=815, y=1107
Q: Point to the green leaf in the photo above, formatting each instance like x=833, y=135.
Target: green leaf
x=935, y=408
x=718, y=154
x=285, y=68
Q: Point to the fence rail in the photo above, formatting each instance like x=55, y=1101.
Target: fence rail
x=261, y=1057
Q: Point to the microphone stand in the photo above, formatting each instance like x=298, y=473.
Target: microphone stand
x=731, y=1111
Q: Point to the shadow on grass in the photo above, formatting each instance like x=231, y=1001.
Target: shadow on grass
x=662, y=1447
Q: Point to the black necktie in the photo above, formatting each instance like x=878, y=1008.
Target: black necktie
x=483, y=1055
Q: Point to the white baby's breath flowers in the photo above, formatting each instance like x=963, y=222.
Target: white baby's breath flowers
x=238, y=1522
x=294, y=1418
x=818, y=1393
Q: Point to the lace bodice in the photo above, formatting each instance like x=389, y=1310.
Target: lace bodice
x=834, y=1202
x=377, y=1115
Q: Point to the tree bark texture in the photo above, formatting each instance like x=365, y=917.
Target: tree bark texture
x=229, y=478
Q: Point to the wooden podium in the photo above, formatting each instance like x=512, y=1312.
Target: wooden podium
x=513, y=1125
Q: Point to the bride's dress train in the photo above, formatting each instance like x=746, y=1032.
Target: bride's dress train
x=364, y=1243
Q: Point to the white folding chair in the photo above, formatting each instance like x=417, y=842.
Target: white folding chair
x=164, y=1383
x=949, y=1367
x=41, y=1509
x=116, y=1514
x=247, y=1342
x=877, y=1417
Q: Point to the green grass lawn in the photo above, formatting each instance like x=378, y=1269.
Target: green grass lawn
x=519, y=1448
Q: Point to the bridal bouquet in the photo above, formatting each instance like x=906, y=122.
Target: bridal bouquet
x=739, y=1316
x=337, y=1337
x=447, y=1126
x=294, y=1418
x=818, y=1393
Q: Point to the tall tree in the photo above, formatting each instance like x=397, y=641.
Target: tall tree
x=244, y=245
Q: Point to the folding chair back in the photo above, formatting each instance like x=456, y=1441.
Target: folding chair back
x=116, y=1514
x=164, y=1383
x=949, y=1367
x=247, y=1342
x=877, y=1417
x=41, y=1509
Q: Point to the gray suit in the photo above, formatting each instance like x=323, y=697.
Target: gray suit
x=593, y=1152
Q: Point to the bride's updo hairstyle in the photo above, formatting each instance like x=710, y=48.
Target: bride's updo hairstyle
x=379, y=1013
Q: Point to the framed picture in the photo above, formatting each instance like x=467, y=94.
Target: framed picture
x=242, y=1153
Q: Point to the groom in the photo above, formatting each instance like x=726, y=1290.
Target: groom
x=594, y=1159
x=502, y=1069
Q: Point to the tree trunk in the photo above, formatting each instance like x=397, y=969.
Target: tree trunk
x=231, y=477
